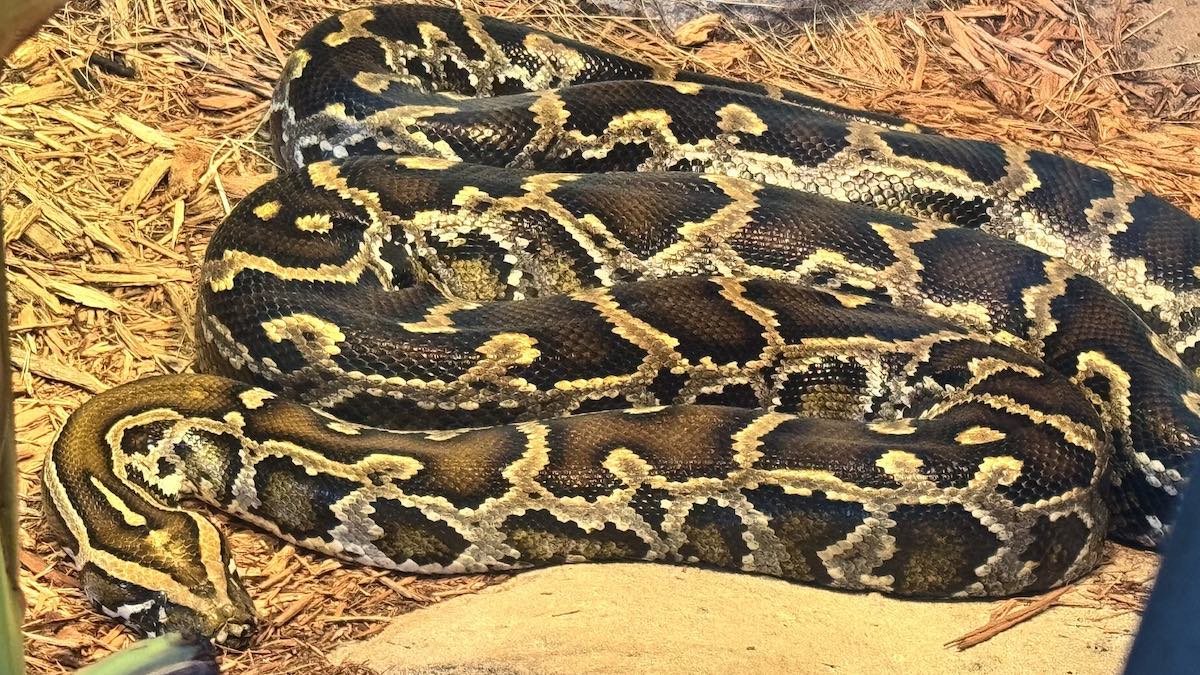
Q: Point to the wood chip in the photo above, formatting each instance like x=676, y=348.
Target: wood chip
x=45, y=241
x=51, y=368
x=187, y=166
x=144, y=184
x=39, y=567
x=134, y=276
x=225, y=101
x=68, y=228
x=84, y=295
x=1013, y=49
x=238, y=187
x=30, y=285
x=40, y=94
x=1008, y=616
x=74, y=119
x=135, y=344
x=268, y=33
x=404, y=591
x=293, y=610
x=150, y=135
x=697, y=30
x=17, y=223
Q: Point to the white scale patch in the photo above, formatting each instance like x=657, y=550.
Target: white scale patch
x=126, y=612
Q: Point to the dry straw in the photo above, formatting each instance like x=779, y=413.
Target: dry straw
x=129, y=127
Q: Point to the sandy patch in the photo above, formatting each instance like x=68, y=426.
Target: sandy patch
x=623, y=618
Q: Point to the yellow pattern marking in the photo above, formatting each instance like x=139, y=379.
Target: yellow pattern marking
x=255, y=398
x=1191, y=399
x=315, y=222
x=560, y=62
x=439, y=318
x=425, y=163
x=900, y=427
x=1004, y=470
x=978, y=435
x=738, y=119
x=850, y=300
x=353, y=25
x=344, y=428
x=686, y=88
x=900, y=464
x=267, y=210
x=501, y=352
x=374, y=82
x=305, y=330
x=131, y=517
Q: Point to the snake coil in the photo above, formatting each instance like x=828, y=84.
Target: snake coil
x=518, y=301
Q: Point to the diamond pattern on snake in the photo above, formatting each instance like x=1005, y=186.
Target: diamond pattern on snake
x=516, y=301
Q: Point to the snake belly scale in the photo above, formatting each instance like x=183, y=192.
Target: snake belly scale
x=518, y=302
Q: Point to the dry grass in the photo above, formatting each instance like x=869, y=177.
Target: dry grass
x=128, y=128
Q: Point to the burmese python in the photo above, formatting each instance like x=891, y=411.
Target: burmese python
x=678, y=323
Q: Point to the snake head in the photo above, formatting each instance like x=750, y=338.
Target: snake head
x=224, y=618
x=143, y=557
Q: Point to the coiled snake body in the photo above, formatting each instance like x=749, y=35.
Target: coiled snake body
x=607, y=311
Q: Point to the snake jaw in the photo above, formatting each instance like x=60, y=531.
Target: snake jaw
x=234, y=624
x=151, y=613
x=229, y=625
